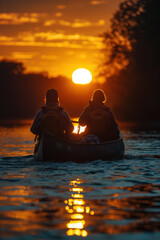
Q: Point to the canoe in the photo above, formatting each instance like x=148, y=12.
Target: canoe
x=52, y=148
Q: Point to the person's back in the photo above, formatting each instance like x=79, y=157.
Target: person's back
x=99, y=119
x=52, y=118
x=52, y=121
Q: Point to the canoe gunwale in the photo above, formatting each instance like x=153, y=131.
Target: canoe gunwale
x=83, y=144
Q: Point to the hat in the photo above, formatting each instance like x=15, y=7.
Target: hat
x=98, y=96
x=51, y=96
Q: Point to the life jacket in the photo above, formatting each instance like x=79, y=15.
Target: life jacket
x=99, y=121
x=52, y=121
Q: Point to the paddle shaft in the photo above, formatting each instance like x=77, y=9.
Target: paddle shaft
x=75, y=121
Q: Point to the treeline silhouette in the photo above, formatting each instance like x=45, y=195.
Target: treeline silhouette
x=22, y=94
x=131, y=64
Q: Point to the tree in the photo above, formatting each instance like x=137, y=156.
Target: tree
x=11, y=68
x=132, y=60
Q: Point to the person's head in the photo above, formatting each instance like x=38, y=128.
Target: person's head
x=52, y=96
x=98, y=96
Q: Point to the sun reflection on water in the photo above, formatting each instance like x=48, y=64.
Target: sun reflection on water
x=77, y=209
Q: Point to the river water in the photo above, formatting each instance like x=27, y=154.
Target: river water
x=99, y=200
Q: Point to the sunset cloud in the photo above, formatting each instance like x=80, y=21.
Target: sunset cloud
x=63, y=44
x=52, y=39
x=50, y=36
x=49, y=57
x=17, y=18
x=5, y=38
x=61, y=6
x=96, y=2
x=64, y=23
x=49, y=23
x=22, y=55
x=79, y=23
x=58, y=14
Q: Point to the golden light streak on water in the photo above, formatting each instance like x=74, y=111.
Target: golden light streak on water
x=77, y=216
x=76, y=201
x=77, y=210
x=87, y=209
x=76, y=224
x=70, y=211
x=77, y=232
x=77, y=196
x=92, y=212
x=76, y=190
x=78, y=181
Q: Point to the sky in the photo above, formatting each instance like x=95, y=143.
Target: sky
x=55, y=36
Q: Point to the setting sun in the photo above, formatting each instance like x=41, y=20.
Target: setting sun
x=81, y=76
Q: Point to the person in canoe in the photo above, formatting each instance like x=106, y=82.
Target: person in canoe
x=52, y=118
x=99, y=119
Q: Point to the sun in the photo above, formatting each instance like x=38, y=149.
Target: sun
x=81, y=76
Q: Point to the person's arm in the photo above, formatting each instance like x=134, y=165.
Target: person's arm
x=36, y=123
x=83, y=119
x=67, y=123
x=114, y=125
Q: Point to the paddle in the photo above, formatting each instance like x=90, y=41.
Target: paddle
x=75, y=121
x=78, y=125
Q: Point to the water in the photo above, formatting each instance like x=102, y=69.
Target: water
x=99, y=200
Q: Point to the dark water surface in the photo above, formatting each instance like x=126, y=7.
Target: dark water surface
x=98, y=200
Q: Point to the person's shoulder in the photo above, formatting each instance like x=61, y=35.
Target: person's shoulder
x=39, y=112
x=108, y=110
x=61, y=109
x=104, y=107
x=89, y=106
x=63, y=112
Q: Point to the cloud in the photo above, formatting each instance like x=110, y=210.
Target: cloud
x=22, y=55
x=19, y=18
x=52, y=39
x=58, y=14
x=64, y=23
x=49, y=57
x=63, y=44
x=49, y=23
x=50, y=36
x=61, y=6
x=97, y=2
x=6, y=38
x=78, y=23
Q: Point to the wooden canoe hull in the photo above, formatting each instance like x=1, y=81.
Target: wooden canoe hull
x=52, y=148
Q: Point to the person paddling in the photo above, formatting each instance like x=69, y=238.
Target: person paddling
x=52, y=118
x=99, y=119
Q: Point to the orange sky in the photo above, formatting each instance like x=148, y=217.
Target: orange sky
x=56, y=36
